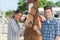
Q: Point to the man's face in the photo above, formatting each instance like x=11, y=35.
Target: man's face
x=48, y=13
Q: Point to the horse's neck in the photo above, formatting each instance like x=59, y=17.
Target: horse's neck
x=35, y=20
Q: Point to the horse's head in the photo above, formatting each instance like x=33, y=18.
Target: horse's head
x=32, y=6
x=33, y=12
x=34, y=9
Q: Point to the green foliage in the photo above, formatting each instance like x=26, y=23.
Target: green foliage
x=42, y=3
x=22, y=5
x=9, y=13
x=51, y=3
x=58, y=4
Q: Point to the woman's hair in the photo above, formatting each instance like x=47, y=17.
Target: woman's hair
x=31, y=34
x=17, y=12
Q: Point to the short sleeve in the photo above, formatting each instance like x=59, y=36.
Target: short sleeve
x=57, y=28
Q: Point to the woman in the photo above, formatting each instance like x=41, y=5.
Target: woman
x=14, y=29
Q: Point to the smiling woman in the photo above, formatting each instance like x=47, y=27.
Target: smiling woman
x=6, y=5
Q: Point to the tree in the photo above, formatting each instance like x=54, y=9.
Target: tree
x=22, y=5
x=51, y=3
x=57, y=3
x=42, y=3
x=9, y=13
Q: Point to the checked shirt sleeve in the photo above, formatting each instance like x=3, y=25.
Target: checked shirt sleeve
x=57, y=29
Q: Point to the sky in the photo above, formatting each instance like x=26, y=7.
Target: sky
x=53, y=0
x=6, y=5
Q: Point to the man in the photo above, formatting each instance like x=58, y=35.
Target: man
x=50, y=28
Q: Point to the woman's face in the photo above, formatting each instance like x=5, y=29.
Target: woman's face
x=18, y=16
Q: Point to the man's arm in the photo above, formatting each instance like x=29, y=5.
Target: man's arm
x=57, y=31
x=57, y=38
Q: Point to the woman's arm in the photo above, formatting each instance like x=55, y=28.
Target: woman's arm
x=29, y=18
x=14, y=28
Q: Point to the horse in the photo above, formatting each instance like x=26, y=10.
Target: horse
x=32, y=12
x=30, y=33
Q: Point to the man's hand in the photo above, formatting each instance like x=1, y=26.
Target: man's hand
x=57, y=38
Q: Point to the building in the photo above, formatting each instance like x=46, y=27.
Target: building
x=56, y=11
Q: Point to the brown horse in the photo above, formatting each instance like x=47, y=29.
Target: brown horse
x=33, y=11
x=30, y=33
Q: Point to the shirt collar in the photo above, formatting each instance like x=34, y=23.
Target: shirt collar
x=48, y=21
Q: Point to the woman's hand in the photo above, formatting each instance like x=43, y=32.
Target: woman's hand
x=35, y=27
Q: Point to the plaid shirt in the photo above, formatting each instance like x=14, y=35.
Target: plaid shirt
x=14, y=30
x=50, y=29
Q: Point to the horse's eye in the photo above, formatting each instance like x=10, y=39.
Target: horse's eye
x=35, y=8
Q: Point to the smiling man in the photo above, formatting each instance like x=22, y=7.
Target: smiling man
x=50, y=28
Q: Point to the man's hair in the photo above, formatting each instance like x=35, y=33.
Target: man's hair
x=47, y=7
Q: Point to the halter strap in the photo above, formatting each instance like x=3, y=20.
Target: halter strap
x=32, y=14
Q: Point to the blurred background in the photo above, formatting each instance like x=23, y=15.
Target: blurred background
x=7, y=8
